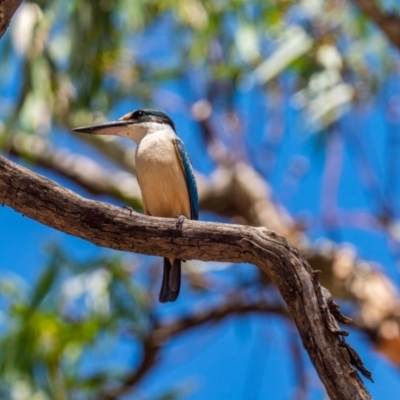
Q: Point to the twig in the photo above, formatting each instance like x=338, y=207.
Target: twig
x=7, y=10
x=163, y=332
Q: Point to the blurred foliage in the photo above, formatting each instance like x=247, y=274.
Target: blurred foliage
x=50, y=329
x=80, y=58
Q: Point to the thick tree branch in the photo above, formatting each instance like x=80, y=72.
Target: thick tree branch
x=7, y=10
x=388, y=23
x=232, y=191
x=109, y=226
x=240, y=191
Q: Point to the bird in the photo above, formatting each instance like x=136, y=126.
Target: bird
x=164, y=173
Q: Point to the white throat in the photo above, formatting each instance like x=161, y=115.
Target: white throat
x=137, y=132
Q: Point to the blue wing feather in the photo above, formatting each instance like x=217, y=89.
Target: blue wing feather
x=190, y=179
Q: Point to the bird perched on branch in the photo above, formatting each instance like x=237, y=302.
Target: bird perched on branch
x=164, y=173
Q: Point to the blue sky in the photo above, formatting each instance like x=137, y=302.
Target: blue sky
x=248, y=357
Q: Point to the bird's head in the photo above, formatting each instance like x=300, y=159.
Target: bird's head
x=134, y=125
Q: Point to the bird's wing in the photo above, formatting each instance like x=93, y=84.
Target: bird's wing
x=190, y=179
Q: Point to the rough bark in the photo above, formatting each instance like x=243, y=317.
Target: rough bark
x=7, y=10
x=106, y=225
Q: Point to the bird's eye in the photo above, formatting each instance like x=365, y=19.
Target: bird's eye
x=137, y=114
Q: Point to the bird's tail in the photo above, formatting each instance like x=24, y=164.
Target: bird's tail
x=171, y=282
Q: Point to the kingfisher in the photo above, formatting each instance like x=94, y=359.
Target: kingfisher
x=164, y=173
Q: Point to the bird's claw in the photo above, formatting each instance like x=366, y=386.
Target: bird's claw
x=130, y=209
x=179, y=221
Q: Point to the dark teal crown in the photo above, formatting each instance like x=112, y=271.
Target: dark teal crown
x=148, y=115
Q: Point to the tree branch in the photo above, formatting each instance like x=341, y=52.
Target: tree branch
x=7, y=10
x=388, y=23
x=106, y=225
x=240, y=191
x=163, y=332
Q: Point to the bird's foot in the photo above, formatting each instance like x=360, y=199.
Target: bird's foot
x=130, y=209
x=180, y=219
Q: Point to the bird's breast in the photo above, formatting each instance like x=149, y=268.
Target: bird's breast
x=161, y=177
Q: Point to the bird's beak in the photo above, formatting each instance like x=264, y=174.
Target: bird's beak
x=109, y=128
